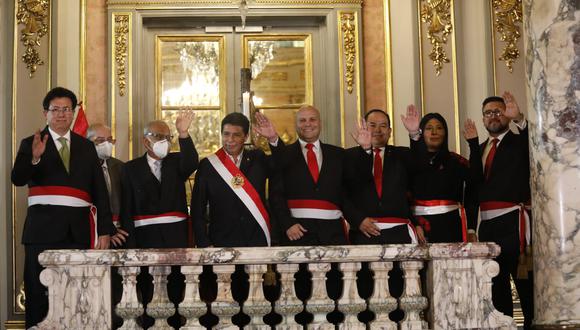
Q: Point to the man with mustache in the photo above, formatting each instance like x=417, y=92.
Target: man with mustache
x=503, y=196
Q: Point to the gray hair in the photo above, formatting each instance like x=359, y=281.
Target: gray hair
x=150, y=124
x=92, y=130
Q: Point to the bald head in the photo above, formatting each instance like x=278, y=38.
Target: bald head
x=308, y=123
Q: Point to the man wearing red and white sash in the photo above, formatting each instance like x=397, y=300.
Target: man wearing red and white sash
x=232, y=182
x=154, y=203
x=378, y=184
x=502, y=197
x=66, y=185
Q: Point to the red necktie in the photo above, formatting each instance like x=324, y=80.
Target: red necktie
x=489, y=159
x=312, y=162
x=378, y=172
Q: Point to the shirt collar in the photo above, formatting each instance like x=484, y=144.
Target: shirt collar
x=499, y=137
x=304, y=143
x=55, y=135
x=151, y=161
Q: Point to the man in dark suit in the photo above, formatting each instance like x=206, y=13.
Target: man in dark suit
x=377, y=181
x=154, y=203
x=308, y=197
x=65, y=185
x=232, y=182
x=503, y=196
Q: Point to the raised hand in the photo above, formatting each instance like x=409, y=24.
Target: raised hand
x=412, y=119
x=183, y=122
x=264, y=127
x=362, y=135
x=512, y=109
x=38, y=146
x=469, y=130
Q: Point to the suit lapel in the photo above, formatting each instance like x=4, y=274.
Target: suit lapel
x=299, y=157
x=75, y=153
x=325, y=156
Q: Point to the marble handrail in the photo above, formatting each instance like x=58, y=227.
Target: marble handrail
x=457, y=295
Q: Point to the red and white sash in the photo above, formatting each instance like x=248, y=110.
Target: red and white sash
x=493, y=209
x=314, y=209
x=391, y=222
x=65, y=196
x=242, y=187
x=441, y=206
x=158, y=219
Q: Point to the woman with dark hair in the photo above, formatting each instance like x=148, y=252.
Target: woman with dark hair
x=440, y=177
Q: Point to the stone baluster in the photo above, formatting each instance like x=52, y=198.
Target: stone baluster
x=256, y=306
x=319, y=304
x=160, y=308
x=288, y=305
x=192, y=307
x=129, y=308
x=350, y=303
x=224, y=306
x=381, y=302
x=412, y=302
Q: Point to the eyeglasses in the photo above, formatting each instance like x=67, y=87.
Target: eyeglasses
x=160, y=137
x=61, y=110
x=492, y=113
x=100, y=140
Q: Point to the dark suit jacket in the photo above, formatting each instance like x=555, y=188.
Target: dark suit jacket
x=509, y=180
x=144, y=195
x=47, y=224
x=115, y=167
x=293, y=181
x=230, y=222
x=363, y=194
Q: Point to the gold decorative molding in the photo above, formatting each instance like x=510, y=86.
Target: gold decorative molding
x=121, y=50
x=348, y=28
x=34, y=15
x=189, y=3
x=21, y=298
x=508, y=13
x=437, y=15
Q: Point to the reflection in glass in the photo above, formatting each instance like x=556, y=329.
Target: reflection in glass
x=190, y=73
x=204, y=130
x=278, y=67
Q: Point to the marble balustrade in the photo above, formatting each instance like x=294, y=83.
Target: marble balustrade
x=457, y=294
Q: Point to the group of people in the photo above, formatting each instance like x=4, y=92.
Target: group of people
x=304, y=193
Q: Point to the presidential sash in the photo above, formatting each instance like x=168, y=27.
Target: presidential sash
x=242, y=187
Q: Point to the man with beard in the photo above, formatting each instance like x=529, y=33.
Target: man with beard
x=503, y=196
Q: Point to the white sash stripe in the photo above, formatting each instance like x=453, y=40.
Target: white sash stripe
x=315, y=213
x=241, y=193
x=491, y=214
x=158, y=220
x=382, y=226
x=433, y=210
x=58, y=200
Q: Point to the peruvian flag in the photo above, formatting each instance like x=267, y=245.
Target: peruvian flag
x=81, y=124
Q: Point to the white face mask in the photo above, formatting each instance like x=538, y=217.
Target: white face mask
x=161, y=148
x=104, y=150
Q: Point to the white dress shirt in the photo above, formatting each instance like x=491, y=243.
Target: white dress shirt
x=155, y=166
x=55, y=136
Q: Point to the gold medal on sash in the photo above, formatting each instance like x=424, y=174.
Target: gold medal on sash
x=238, y=181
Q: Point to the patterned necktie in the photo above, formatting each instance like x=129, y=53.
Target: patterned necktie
x=157, y=169
x=312, y=162
x=489, y=159
x=107, y=177
x=64, y=152
x=378, y=172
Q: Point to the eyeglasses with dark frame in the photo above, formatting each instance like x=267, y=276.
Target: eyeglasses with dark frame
x=492, y=113
x=59, y=109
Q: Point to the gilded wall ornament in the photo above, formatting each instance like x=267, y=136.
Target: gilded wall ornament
x=33, y=14
x=121, y=50
x=348, y=28
x=437, y=15
x=508, y=16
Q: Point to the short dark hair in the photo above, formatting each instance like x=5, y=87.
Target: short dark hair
x=59, y=92
x=381, y=111
x=492, y=99
x=236, y=119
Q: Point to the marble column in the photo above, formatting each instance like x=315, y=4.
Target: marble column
x=552, y=42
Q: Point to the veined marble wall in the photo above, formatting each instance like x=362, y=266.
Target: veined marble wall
x=553, y=79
